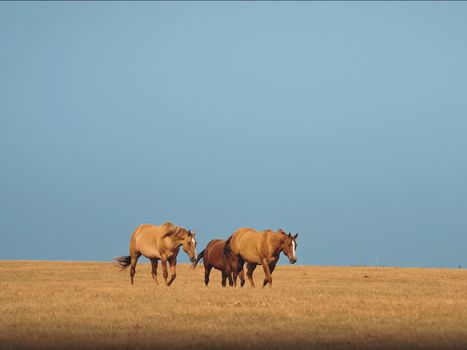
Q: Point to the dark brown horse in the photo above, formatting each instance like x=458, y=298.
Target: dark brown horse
x=259, y=248
x=159, y=243
x=213, y=257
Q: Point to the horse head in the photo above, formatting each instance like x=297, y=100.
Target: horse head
x=289, y=248
x=189, y=245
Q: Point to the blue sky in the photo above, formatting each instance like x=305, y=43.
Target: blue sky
x=344, y=122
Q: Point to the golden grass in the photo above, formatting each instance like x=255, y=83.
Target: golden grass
x=92, y=305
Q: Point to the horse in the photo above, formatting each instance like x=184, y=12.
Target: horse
x=213, y=256
x=158, y=243
x=259, y=248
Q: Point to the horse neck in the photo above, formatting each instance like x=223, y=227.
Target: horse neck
x=277, y=242
x=176, y=241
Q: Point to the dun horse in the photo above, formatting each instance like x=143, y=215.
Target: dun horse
x=259, y=248
x=213, y=256
x=159, y=243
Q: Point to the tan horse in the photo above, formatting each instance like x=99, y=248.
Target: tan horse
x=158, y=243
x=260, y=248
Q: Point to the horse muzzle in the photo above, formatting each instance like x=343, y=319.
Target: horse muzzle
x=193, y=259
x=293, y=260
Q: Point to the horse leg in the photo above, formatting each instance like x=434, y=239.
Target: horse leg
x=272, y=266
x=229, y=276
x=238, y=272
x=224, y=279
x=250, y=269
x=165, y=273
x=207, y=271
x=134, y=260
x=154, y=270
x=267, y=274
x=241, y=275
x=235, y=276
x=173, y=274
x=228, y=271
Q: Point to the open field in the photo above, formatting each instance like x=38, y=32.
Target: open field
x=92, y=305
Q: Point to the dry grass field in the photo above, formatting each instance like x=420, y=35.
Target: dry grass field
x=92, y=305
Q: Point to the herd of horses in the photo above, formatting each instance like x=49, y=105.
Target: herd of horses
x=245, y=246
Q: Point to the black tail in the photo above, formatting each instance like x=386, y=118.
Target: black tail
x=198, y=259
x=123, y=261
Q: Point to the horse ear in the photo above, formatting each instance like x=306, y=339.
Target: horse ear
x=290, y=234
x=296, y=235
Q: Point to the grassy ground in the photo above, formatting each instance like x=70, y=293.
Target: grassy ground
x=92, y=305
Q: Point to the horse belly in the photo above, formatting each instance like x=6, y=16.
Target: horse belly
x=251, y=257
x=150, y=253
x=147, y=248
